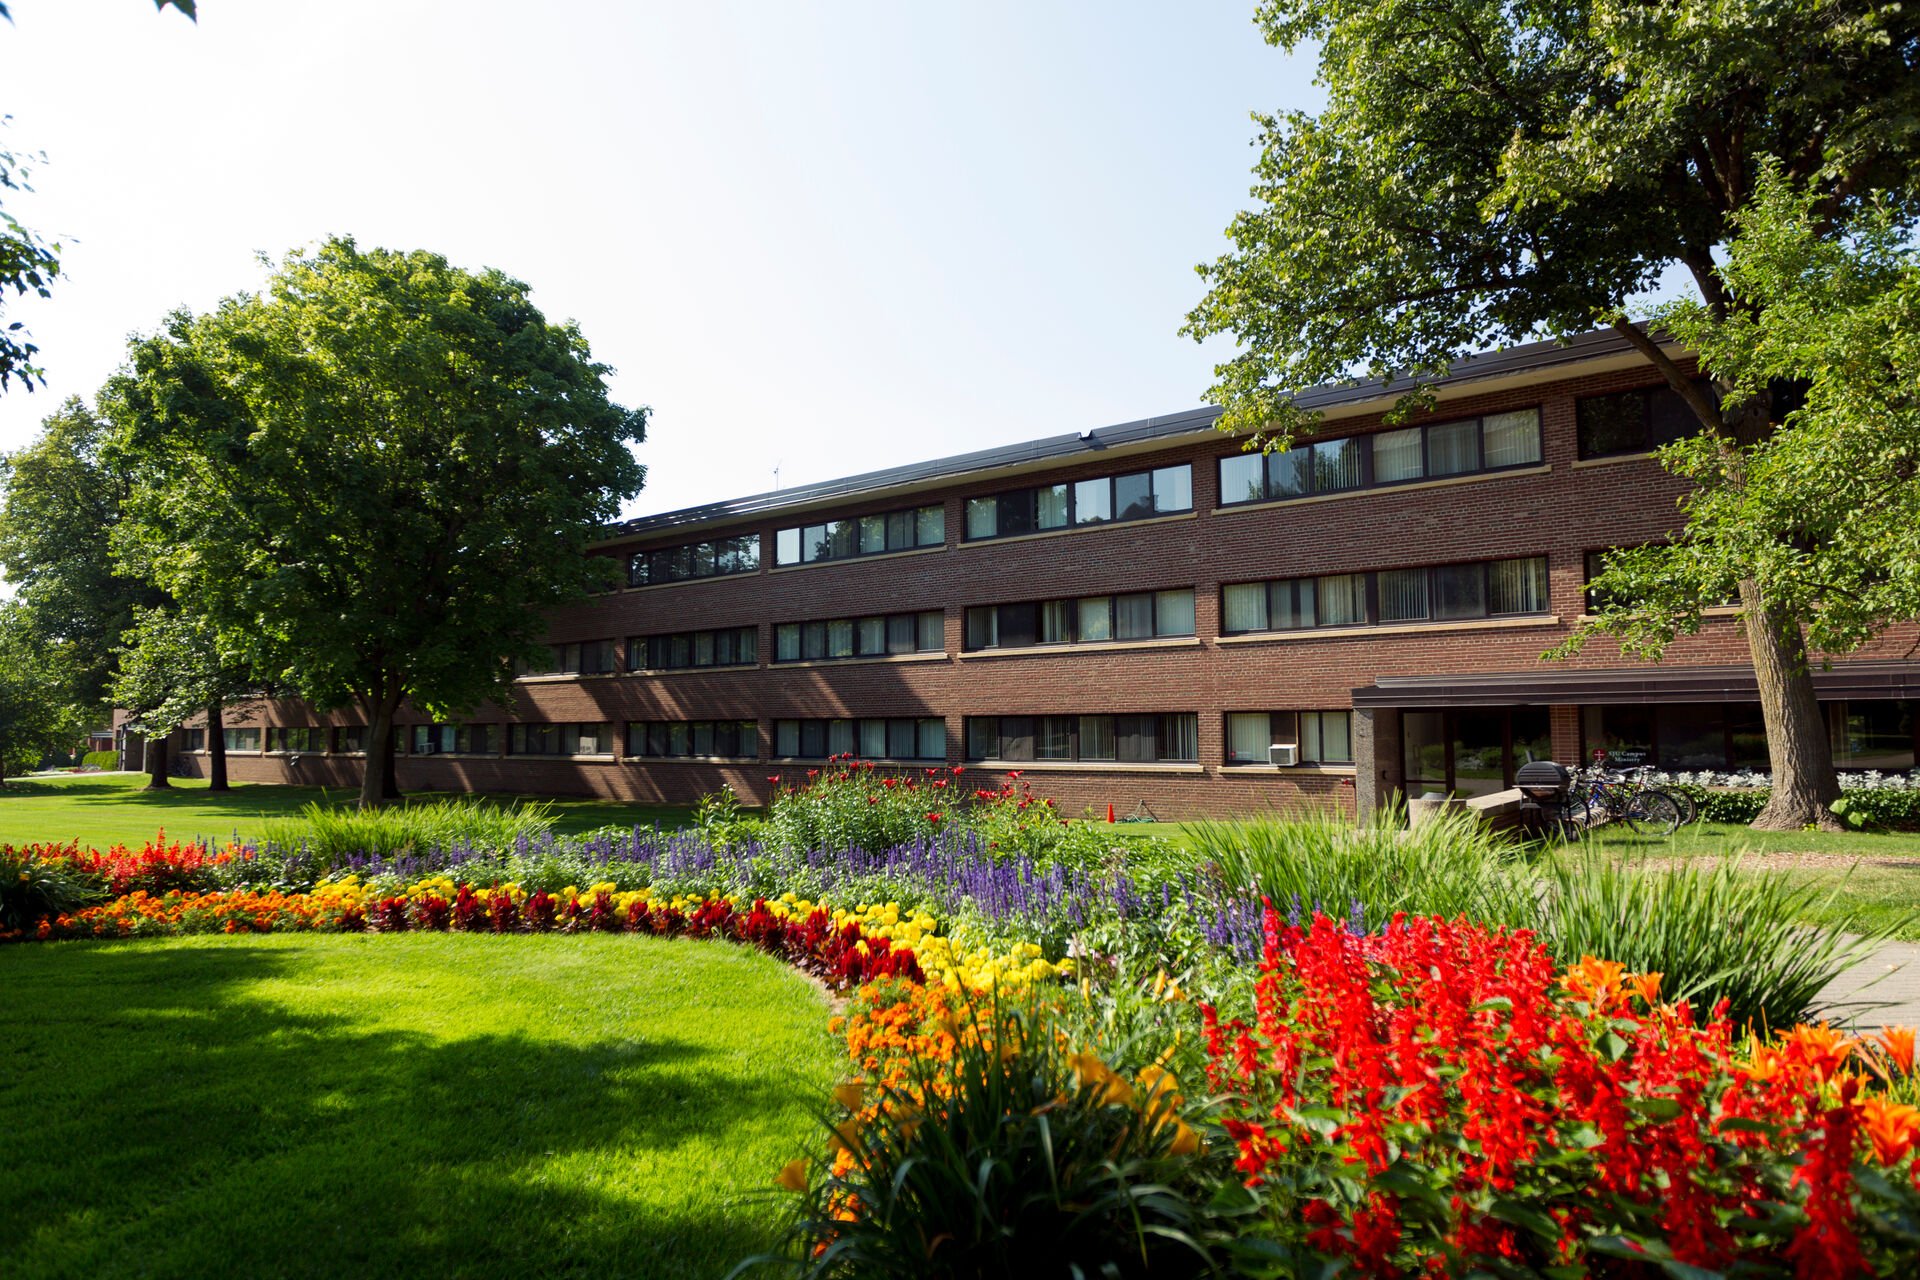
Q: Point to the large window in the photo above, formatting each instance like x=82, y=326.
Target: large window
x=350, y=739
x=295, y=740
x=456, y=739
x=1142, y=615
x=1635, y=421
x=241, y=739
x=196, y=740
x=585, y=658
x=873, y=637
x=1436, y=451
x=924, y=738
x=560, y=740
x=1317, y=737
x=1440, y=593
x=1137, y=495
x=694, y=739
x=861, y=536
x=695, y=560
x=1163, y=737
x=727, y=647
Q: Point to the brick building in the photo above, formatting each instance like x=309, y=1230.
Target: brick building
x=1146, y=616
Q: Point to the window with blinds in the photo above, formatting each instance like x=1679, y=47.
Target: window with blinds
x=1406, y=454
x=1151, y=738
x=1139, y=615
x=1318, y=737
x=877, y=636
x=894, y=738
x=1438, y=593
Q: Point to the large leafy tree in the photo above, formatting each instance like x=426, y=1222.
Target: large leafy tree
x=1486, y=173
x=37, y=714
x=173, y=667
x=374, y=478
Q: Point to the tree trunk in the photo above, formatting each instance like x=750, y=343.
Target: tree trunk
x=378, y=784
x=393, y=771
x=216, y=748
x=157, y=779
x=1805, y=784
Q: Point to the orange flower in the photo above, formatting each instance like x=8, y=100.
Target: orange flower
x=792, y=1177
x=1894, y=1127
x=1647, y=987
x=1595, y=982
x=1897, y=1043
x=850, y=1095
x=1820, y=1049
x=1185, y=1141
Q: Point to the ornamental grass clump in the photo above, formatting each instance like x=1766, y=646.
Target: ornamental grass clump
x=1717, y=932
x=331, y=837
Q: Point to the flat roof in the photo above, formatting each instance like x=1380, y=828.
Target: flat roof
x=1554, y=685
x=1526, y=358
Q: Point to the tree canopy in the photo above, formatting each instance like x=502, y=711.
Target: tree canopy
x=375, y=478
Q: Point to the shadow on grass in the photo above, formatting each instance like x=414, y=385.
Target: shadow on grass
x=160, y=1121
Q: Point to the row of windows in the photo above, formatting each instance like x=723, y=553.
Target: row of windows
x=862, y=536
x=1135, y=496
x=560, y=740
x=923, y=738
x=1141, y=615
x=713, y=558
x=1453, y=592
x=582, y=658
x=690, y=738
x=1493, y=443
x=1171, y=737
x=860, y=637
x=725, y=647
x=1317, y=737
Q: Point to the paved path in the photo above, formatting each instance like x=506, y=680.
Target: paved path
x=1884, y=991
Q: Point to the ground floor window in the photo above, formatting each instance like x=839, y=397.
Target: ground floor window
x=456, y=739
x=1470, y=752
x=296, y=739
x=196, y=740
x=1695, y=737
x=560, y=740
x=692, y=739
x=899, y=738
x=241, y=739
x=1317, y=737
x=1173, y=737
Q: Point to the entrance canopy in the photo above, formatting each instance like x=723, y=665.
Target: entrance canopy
x=1561, y=686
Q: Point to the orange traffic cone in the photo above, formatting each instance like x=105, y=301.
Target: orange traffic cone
x=1109, y=813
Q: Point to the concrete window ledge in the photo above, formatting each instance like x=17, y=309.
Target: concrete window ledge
x=1084, y=766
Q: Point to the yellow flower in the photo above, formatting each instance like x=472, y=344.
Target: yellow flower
x=1185, y=1141
x=793, y=1177
x=850, y=1095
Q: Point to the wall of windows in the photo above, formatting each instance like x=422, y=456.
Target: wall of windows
x=1470, y=752
x=241, y=739
x=693, y=739
x=1711, y=736
x=923, y=738
x=585, y=658
x=1137, y=495
x=455, y=739
x=873, y=637
x=715, y=558
x=1432, y=452
x=861, y=536
x=1635, y=421
x=296, y=740
x=1318, y=737
x=560, y=740
x=1142, y=615
x=727, y=647
x=1165, y=737
x=1437, y=593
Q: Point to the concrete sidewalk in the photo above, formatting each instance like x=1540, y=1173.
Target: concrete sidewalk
x=1884, y=991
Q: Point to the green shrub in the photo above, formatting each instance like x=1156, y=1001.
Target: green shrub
x=33, y=888
x=330, y=834
x=1453, y=865
x=1715, y=932
x=101, y=760
x=1880, y=808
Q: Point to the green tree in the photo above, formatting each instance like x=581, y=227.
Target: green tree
x=1486, y=173
x=375, y=478
x=1823, y=514
x=172, y=667
x=36, y=714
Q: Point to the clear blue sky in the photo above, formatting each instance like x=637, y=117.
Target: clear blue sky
x=825, y=237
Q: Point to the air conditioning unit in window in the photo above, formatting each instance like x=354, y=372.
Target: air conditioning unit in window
x=1283, y=755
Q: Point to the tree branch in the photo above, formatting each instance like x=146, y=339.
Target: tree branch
x=1696, y=399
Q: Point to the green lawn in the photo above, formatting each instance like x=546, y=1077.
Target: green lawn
x=102, y=809
x=355, y=1105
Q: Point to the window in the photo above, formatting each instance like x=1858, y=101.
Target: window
x=1870, y=735
x=715, y=558
x=895, y=738
x=726, y=647
x=1318, y=737
x=196, y=740
x=1137, y=495
x=351, y=740
x=458, y=739
x=296, y=740
x=560, y=740
x=1499, y=588
x=241, y=739
x=871, y=637
x=1141, y=615
x=1143, y=738
x=1493, y=443
x=694, y=739
x=585, y=657
x=872, y=535
x=1635, y=421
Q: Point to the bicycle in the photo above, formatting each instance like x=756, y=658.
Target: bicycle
x=1620, y=799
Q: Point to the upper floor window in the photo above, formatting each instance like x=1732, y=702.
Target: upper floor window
x=726, y=647
x=1431, y=452
x=1137, y=495
x=1164, y=737
x=1440, y=593
x=692, y=739
x=901, y=738
x=1636, y=421
x=582, y=657
x=862, y=536
x=1316, y=737
x=695, y=560
x=872, y=637
x=560, y=740
x=1141, y=615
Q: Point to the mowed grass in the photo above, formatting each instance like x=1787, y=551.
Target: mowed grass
x=355, y=1105
x=104, y=809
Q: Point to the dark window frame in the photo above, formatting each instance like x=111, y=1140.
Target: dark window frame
x=817, y=730
x=815, y=637
x=1033, y=729
x=916, y=541
x=721, y=558
x=1654, y=397
x=654, y=744
x=1027, y=499
x=1364, y=442
x=1072, y=606
x=644, y=652
x=1372, y=593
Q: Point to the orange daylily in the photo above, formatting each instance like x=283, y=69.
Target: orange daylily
x=850, y=1095
x=793, y=1176
x=1594, y=981
x=1897, y=1043
x=1893, y=1127
x=1821, y=1049
x=1646, y=986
